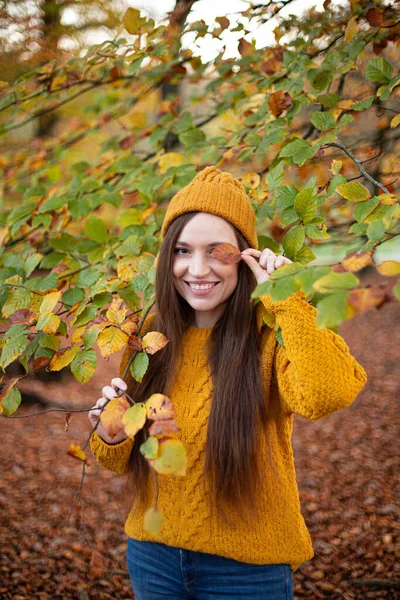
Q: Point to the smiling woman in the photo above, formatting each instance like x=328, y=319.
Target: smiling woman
x=232, y=525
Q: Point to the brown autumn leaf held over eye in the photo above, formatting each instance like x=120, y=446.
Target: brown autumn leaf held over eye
x=226, y=253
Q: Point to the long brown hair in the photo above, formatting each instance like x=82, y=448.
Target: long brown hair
x=238, y=412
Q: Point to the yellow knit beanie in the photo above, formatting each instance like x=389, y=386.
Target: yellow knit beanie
x=219, y=193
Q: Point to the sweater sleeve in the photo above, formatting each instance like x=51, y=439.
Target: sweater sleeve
x=115, y=457
x=315, y=371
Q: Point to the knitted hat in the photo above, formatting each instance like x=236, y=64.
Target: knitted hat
x=216, y=192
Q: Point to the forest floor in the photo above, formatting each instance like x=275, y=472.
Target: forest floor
x=347, y=472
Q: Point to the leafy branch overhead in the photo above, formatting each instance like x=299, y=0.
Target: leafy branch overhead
x=308, y=123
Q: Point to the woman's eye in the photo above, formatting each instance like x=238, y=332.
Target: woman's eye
x=177, y=250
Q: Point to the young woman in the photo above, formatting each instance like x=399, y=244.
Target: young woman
x=232, y=525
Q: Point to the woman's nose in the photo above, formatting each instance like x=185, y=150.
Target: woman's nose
x=199, y=266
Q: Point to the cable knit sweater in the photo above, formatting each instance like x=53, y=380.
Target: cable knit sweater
x=313, y=375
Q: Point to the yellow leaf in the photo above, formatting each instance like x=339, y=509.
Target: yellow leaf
x=126, y=268
x=170, y=159
x=138, y=119
x=63, y=359
x=387, y=199
x=345, y=104
x=134, y=419
x=389, y=268
x=154, y=341
x=133, y=21
x=252, y=180
x=77, y=334
x=366, y=298
x=395, y=121
x=49, y=302
x=117, y=311
x=129, y=327
x=111, y=340
x=111, y=417
x=171, y=459
x=357, y=260
x=52, y=324
x=353, y=191
x=152, y=521
x=77, y=452
x=336, y=166
x=351, y=29
x=159, y=407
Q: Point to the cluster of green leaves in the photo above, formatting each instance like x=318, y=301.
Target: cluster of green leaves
x=84, y=235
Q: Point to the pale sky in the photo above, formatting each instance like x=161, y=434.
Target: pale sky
x=209, y=47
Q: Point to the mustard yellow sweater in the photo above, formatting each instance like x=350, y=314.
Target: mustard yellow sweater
x=313, y=375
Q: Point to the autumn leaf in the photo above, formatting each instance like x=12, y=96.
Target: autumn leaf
x=154, y=341
x=22, y=316
x=159, y=407
x=389, y=268
x=117, y=311
x=171, y=459
x=49, y=302
x=353, y=191
x=111, y=340
x=152, y=521
x=357, y=260
x=68, y=418
x=40, y=362
x=366, y=298
x=279, y=101
x=77, y=452
x=252, y=180
x=226, y=253
x=170, y=159
x=111, y=417
x=134, y=419
x=63, y=359
x=164, y=427
x=7, y=386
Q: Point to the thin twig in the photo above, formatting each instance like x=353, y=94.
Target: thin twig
x=359, y=165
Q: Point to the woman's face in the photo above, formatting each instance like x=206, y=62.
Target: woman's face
x=193, y=263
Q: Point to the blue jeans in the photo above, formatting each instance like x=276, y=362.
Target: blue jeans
x=158, y=571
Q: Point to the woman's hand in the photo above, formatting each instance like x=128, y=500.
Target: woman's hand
x=116, y=389
x=268, y=262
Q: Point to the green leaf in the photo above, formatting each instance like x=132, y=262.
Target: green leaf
x=307, y=277
x=293, y=241
x=334, y=280
x=379, y=70
x=73, y=295
x=149, y=448
x=11, y=401
x=305, y=255
x=334, y=182
x=376, y=231
x=46, y=340
x=279, y=337
x=15, y=345
x=299, y=150
x=19, y=298
x=139, y=366
x=31, y=263
x=283, y=288
x=323, y=120
x=285, y=196
x=88, y=277
x=396, y=291
x=315, y=232
x=330, y=100
x=305, y=204
x=363, y=209
x=363, y=104
x=353, y=191
x=84, y=365
x=274, y=177
x=132, y=245
x=332, y=310
x=96, y=229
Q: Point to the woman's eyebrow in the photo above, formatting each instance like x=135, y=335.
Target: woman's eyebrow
x=208, y=245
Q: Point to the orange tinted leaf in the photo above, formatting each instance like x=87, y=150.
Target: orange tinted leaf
x=135, y=343
x=40, y=362
x=68, y=418
x=159, y=407
x=387, y=199
x=351, y=29
x=366, y=298
x=134, y=419
x=111, y=417
x=7, y=386
x=129, y=327
x=164, y=427
x=389, y=268
x=77, y=452
x=279, y=101
x=223, y=22
x=374, y=17
x=154, y=341
x=22, y=316
x=357, y=260
x=245, y=47
x=226, y=253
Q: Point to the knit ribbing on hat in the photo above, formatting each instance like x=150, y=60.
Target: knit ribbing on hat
x=219, y=193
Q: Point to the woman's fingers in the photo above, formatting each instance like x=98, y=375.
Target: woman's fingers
x=109, y=392
x=119, y=385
